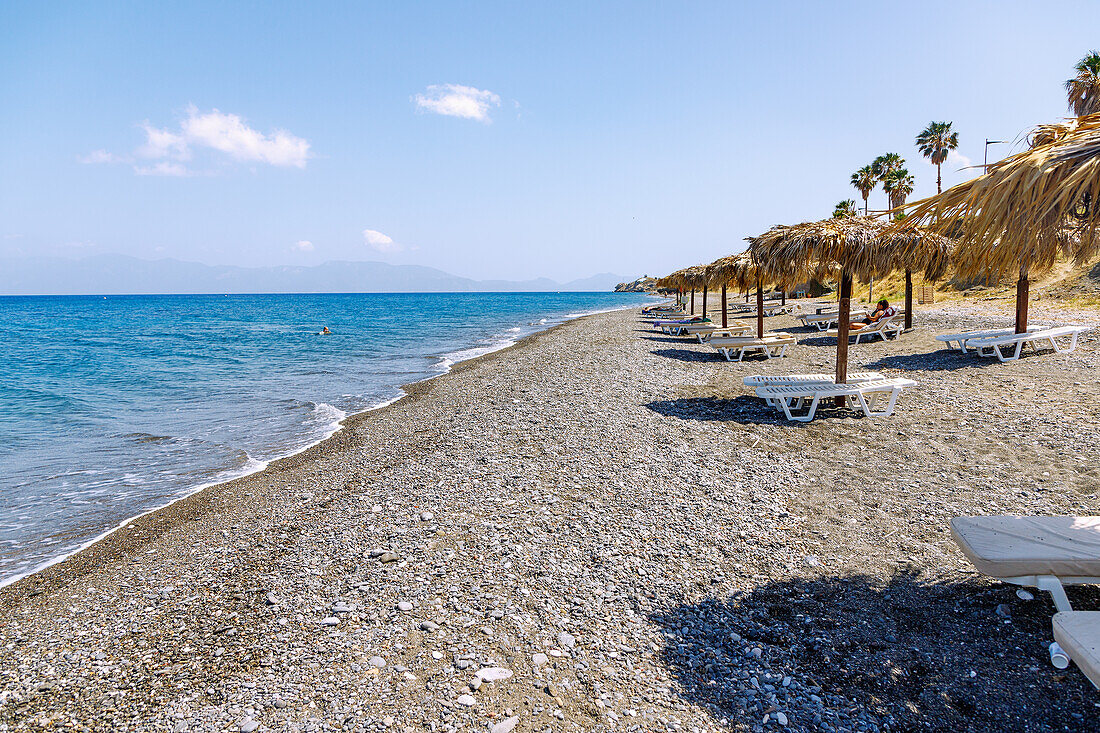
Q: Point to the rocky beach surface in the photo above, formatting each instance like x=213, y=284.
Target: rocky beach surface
x=598, y=529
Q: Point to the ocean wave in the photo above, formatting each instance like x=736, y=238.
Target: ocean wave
x=148, y=438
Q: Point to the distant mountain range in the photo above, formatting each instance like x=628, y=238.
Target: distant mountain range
x=119, y=274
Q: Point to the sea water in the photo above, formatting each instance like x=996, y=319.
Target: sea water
x=114, y=406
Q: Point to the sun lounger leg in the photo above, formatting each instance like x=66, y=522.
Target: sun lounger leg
x=1052, y=585
x=813, y=410
x=893, y=400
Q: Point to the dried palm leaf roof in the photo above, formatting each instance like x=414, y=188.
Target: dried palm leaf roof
x=1029, y=209
x=742, y=272
x=861, y=246
x=687, y=278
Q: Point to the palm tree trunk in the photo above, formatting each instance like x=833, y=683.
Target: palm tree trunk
x=939, y=187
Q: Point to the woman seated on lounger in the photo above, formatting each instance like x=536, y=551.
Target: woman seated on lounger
x=883, y=309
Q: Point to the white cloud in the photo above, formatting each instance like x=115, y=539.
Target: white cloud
x=455, y=100
x=303, y=245
x=99, y=156
x=163, y=144
x=380, y=242
x=163, y=168
x=229, y=134
x=211, y=132
x=957, y=160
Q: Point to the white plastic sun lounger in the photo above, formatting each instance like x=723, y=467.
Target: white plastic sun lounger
x=1078, y=635
x=865, y=394
x=1041, y=552
x=822, y=321
x=884, y=327
x=704, y=331
x=959, y=340
x=1014, y=342
x=773, y=345
x=675, y=326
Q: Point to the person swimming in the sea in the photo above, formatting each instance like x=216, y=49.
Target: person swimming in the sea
x=325, y=330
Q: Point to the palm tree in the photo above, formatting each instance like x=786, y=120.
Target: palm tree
x=934, y=143
x=845, y=208
x=864, y=181
x=898, y=185
x=884, y=166
x=1083, y=90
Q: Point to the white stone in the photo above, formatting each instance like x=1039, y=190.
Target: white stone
x=377, y=662
x=540, y=659
x=467, y=700
x=506, y=726
x=493, y=674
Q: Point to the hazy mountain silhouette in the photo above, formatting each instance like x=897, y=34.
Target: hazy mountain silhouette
x=119, y=274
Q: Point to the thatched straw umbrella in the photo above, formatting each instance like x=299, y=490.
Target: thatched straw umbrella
x=857, y=247
x=678, y=280
x=691, y=278
x=1027, y=210
x=742, y=271
x=715, y=272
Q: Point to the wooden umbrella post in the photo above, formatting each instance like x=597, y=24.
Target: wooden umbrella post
x=1021, y=301
x=724, y=324
x=759, y=311
x=908, y=299
x=842, y=327
x=704, y=301
x=693, y=300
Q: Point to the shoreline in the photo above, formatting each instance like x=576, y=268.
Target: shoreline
x=13, y=586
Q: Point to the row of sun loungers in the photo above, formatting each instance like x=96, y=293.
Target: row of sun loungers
x=1047, y=553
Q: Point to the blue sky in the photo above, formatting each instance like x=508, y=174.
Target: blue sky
x=507, y=140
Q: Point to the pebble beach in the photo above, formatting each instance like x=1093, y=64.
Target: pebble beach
x=597, y=529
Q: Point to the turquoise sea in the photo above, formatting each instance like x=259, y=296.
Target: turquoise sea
x=114, y=406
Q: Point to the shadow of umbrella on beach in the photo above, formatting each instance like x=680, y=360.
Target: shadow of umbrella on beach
x=897, y=654
x=1026, y=211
